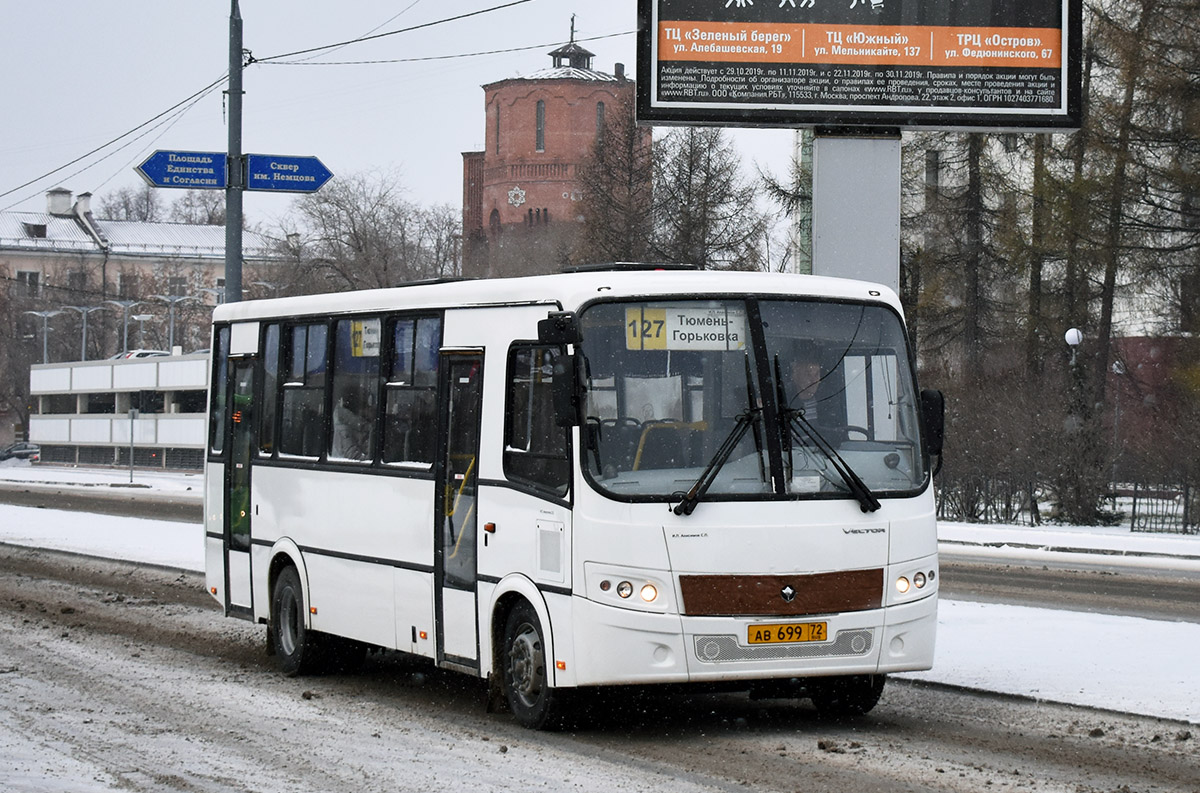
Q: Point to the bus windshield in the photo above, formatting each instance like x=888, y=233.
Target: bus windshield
x=754, y=398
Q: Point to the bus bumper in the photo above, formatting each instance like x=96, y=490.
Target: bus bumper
x=623, y=646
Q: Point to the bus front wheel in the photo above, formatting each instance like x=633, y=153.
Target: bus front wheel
x=299, y=650
x=847, y=697
x=533, y=701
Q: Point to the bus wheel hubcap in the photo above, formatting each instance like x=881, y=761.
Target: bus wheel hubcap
x=526, y=666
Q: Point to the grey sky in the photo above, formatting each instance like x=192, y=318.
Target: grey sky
x=91, y=71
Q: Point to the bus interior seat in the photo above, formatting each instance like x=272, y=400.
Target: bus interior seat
x=667, y=444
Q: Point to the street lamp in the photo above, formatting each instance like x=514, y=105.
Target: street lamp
x=84, y=311
x=1073, y=337
x=267, y=285
x=125, y=305
x=45, y=315
x=218, y=291
x=141, y=319
x=171, y=300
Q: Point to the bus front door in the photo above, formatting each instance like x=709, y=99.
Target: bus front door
x=455, y=550
x=237, y=487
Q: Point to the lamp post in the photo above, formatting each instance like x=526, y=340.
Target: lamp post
x=171, y=301
x=141, y=319
x=125, y=305
x=1074, y=337
x=84, y=311
x=45, y=315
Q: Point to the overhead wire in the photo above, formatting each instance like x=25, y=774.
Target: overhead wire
x=445, y=57
x=387, y=21
x=120, y=137
x=195, y=97
x=361, y=39
x=165, y=125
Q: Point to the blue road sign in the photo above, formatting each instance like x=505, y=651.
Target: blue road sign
x=285, y=174
x=187, y=170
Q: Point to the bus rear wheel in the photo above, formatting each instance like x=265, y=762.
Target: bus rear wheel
x=847, y=697
x=533, y=701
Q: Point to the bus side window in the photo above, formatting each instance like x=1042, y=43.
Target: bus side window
x=303, y=410
x=536, y=449
x=355, y=382
x=410, y=392
x=270, y=391
x=220, y=390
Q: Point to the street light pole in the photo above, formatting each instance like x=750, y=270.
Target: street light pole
x=171, y=300
x=84, y=311
x=126, y=305
x=45, y=315
x=141, y=321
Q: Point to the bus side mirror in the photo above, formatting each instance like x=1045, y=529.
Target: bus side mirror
x=569, y=390
x=933, y=415
x=558, y=329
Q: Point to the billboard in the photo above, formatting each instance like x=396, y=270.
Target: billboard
x=936, y=64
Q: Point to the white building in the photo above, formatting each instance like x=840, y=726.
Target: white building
x=82, y=411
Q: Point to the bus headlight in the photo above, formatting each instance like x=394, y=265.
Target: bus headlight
x=902, y=585
x=629, y=587
x=919, y=580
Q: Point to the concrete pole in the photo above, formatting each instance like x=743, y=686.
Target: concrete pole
x=236, y=175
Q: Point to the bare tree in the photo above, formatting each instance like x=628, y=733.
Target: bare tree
x=200, y=207
x=129, y=203
x=359, y=232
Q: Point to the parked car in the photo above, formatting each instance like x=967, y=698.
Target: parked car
x=139, y=354
x=23, y=450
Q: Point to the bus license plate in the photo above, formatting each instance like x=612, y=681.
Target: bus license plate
x=786, y=632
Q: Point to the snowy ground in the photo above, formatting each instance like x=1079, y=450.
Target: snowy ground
x=1128, y=664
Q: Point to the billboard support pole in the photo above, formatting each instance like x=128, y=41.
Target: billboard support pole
x=856, y=205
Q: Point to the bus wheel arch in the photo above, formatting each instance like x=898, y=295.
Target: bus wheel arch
x=527, y=670
x=522, y=676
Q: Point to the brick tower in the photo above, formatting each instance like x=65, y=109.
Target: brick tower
x=521, y=194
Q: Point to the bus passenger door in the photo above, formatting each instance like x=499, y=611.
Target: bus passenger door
x=455, y=562
x=237, y=486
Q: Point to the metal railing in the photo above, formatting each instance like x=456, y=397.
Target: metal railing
x=1172, y=507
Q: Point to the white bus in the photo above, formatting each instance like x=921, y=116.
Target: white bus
x=617, y=476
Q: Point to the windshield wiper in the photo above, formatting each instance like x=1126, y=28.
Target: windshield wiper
x=797, y=426
x=746, y=419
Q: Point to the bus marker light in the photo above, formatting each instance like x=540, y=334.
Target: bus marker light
x=649, y=593
x=624, y=589
x=490, y=528
x=312, y=609
x=423, y=635
x=560, y=666
x=901, y=585
x=213, y=590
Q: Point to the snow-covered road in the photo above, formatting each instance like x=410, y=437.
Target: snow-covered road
x=1130, y=664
